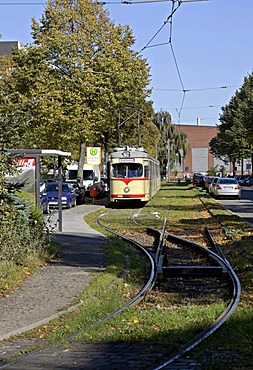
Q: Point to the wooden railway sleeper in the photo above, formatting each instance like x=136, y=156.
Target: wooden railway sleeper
x=193, y=271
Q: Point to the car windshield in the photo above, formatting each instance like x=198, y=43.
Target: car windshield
x=87, y=174
x=54, y=187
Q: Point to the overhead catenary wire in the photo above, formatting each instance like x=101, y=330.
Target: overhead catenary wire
x=99, y=2
x=169, y=21
x=199, y=89
x=22, y=3
x=175, y=5
x=160, y=29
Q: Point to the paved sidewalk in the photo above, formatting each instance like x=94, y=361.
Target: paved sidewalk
x=45, y=293
x=54, y=288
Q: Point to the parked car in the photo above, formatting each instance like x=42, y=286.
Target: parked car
x=225, y=187
x=212, y=185
x=249, y=181
x=207, y=182
x=242, y=179
x=197, y=179
x=68, y=195
x=80, y=191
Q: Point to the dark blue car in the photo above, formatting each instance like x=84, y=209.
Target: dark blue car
x=68, y=195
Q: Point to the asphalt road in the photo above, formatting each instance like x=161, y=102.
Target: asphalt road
x=243, y=207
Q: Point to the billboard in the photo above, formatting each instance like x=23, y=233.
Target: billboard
x=26, y=163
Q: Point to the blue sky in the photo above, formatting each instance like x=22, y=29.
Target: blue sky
x=209, y=55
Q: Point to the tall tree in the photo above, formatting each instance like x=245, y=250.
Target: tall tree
x=232, y=141
x=71, y=81
x=173, y=144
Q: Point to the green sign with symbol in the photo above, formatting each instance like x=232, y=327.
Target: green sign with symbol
x=94, y=155
x=93, y=151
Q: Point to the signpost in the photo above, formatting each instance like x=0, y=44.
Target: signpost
x=94, y=155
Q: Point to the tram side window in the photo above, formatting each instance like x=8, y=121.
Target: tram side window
x=146, y=171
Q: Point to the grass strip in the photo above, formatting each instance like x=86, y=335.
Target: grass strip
x=158, y=320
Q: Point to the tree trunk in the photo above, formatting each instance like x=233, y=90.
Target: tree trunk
x=234, y=171
x=81, y=162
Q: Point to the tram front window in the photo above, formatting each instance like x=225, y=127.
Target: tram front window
x=119, y=170
x=129, y=170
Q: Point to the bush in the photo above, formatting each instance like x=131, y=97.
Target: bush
x=23, y=240
x=21, y=232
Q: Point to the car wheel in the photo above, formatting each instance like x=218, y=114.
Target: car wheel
x=74, y=203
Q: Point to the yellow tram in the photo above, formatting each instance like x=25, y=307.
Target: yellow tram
x=133, y=175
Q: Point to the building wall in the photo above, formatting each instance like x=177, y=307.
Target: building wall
x=199, y=158
x=6, y=47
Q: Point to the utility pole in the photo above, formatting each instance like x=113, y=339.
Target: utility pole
x=168, y=163
x=119, y=134
x=122, y=123
x=139, y=132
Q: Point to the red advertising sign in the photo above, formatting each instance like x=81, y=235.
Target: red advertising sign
x=26, y=162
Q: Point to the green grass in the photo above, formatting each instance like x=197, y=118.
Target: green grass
x=108, y=292
x=160, y=319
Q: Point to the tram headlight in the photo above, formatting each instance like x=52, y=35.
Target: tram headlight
x=127, y=189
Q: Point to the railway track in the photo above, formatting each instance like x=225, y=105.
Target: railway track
x=191, y=269
x=176, y=265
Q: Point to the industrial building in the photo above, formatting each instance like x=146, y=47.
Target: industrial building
x=199, y=158
x=7, y=46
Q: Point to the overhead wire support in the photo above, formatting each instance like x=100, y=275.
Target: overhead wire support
x=164, y=24
x=178, y=72
x=177, y=68
x=23, y=3
x=169, y=20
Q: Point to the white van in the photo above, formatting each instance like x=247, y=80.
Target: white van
x=91, y=174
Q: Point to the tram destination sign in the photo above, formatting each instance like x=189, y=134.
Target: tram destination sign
x=126, y=160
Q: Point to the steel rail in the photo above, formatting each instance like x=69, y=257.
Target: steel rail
x=219, y=258
x=210, y=233
x=161, y=238
x=138, y=297
x=222, y=317
x=151, y=281
x=148, y=286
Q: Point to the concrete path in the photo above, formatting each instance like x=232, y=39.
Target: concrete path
x=54, y=287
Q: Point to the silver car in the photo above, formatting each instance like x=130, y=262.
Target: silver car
x=225, y=187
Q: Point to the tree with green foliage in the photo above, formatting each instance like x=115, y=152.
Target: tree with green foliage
x=233, y=141
x=173, y=144
x=69, y=84
x=22, y=237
